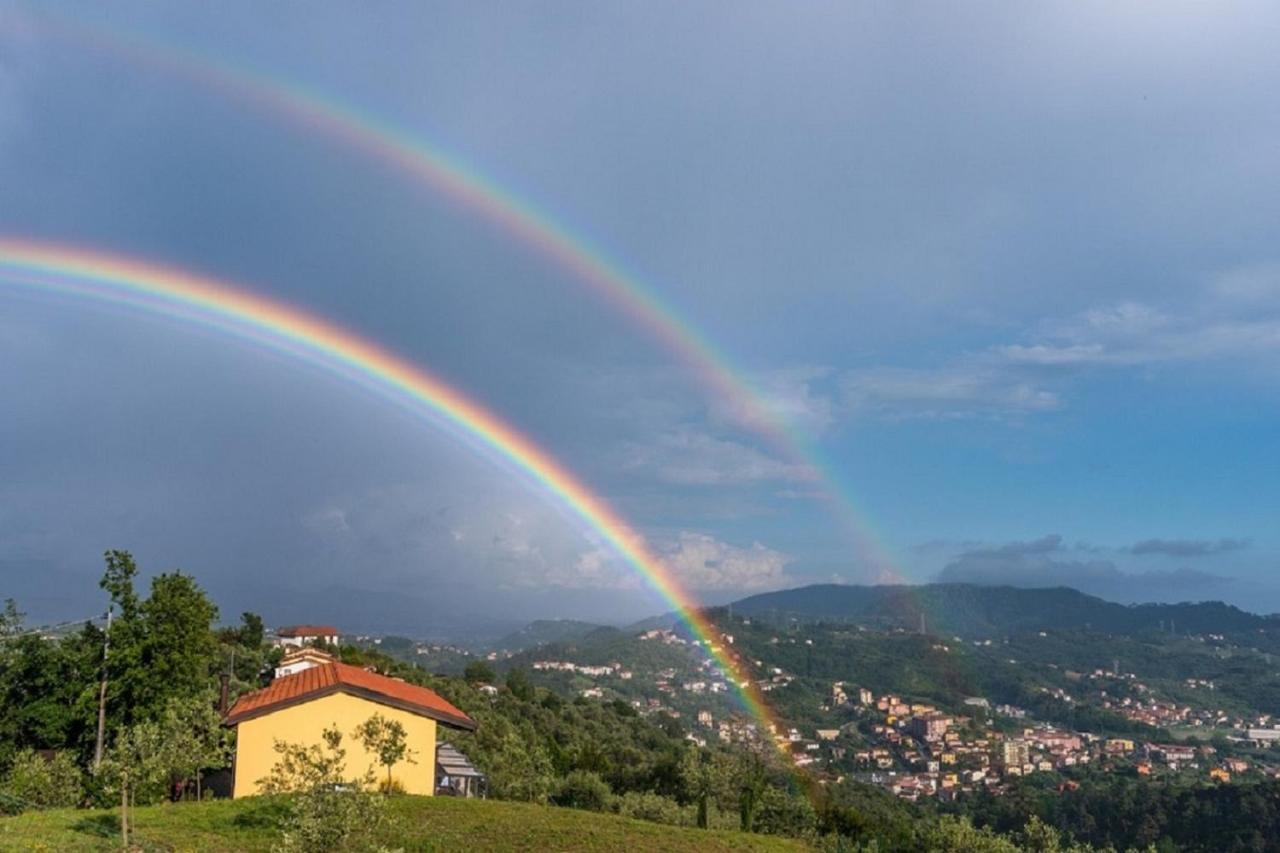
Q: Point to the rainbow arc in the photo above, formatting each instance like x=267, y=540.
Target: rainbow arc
x=237, y=312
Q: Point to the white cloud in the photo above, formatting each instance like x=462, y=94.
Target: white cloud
x=788, y=395
x=701, y=562
x=1252, y=286
x=686, y=456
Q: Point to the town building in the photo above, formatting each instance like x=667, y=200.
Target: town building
x=298, y=636
x=929, y=727
x=296, y=660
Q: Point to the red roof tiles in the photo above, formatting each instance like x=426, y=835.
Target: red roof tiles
x=308, y=631
x=336, y=677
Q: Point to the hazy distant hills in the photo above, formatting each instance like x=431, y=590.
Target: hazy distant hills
x=983, y=611
x=544, y=631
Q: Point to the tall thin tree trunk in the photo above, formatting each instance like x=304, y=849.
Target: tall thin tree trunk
x=124, y=813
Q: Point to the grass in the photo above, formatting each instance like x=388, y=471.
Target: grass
x=425, y=824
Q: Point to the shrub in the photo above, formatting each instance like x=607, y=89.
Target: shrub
x=36, y=782
x=583, y=789
x=653, y=807
x=326, y=811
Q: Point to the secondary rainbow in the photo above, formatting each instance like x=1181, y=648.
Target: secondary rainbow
x=430, y=165
x=180, y=294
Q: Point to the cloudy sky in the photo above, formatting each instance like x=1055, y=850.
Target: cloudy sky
x=1012, y=272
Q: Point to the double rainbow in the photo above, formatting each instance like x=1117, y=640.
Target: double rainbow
x=182, y=295
x=431, y=166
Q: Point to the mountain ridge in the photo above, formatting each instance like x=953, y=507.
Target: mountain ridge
x=974, y=609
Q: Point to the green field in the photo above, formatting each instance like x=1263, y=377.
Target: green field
x=424, y=824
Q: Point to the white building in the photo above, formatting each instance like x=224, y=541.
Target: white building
x=298, y=636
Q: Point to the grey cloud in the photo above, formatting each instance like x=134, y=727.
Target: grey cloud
x=1187, y=547
x=1032, y=564
x=964, y=390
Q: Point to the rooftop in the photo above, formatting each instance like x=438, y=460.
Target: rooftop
x=336, y=677
x=307, y=631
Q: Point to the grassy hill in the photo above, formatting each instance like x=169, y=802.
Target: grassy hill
x=426, y=823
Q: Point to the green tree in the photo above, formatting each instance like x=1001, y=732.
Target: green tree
x=179, y=649
x=193, y=739
x=520, y=686
x=10, y=619
x=388, y=740
x=479, y=672
x=700, y=783
x=134, y=768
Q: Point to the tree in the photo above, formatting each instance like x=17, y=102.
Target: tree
x=479, y=672
x=519, y=684
x=179, y=647
x=134, y=765
x=10, y=619
x=387, y=740
x=699, y=778
x=192, y=739
x=251, y=630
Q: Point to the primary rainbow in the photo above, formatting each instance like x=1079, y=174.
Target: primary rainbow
x=176, y=293
x=430, y=165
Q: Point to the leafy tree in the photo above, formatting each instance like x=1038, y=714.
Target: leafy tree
x=159, y=647
x=700, y=783
x=134, y=768
x=519, y=685
x=387, y=740
x=10, y=619
x=479, y=672
x=34, y=781
x=251, y=631
x=193, y=739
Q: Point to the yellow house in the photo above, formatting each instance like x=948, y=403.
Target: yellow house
x=298, y=708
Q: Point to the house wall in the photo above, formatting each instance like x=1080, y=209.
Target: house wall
x=305, y=723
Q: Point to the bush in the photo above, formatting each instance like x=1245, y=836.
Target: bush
x=35, y=782
x=326, y=810
x=583, y=789
x=782, y=814
x=653, y=807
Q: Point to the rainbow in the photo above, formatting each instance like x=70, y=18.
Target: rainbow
x=179, y=294
x=431, y=166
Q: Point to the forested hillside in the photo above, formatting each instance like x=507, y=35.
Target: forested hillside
x=984, y=611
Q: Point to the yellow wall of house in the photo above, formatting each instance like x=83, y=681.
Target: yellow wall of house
x=305, y=723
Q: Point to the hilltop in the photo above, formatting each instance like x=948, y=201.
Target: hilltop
x=969, y=610
x=543, y=631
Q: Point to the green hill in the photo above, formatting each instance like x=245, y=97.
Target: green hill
x=974, y=611
x=545, y=631
x=426, y=823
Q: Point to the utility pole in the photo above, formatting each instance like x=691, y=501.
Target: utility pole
x=102, y=698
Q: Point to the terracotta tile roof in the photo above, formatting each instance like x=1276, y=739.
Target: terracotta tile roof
x=308, y=631
x=343, y=678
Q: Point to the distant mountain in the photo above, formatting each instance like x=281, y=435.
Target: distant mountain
x=969, y=610
x=544, y=631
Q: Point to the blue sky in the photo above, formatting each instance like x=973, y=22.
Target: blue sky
x=1013, y=266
